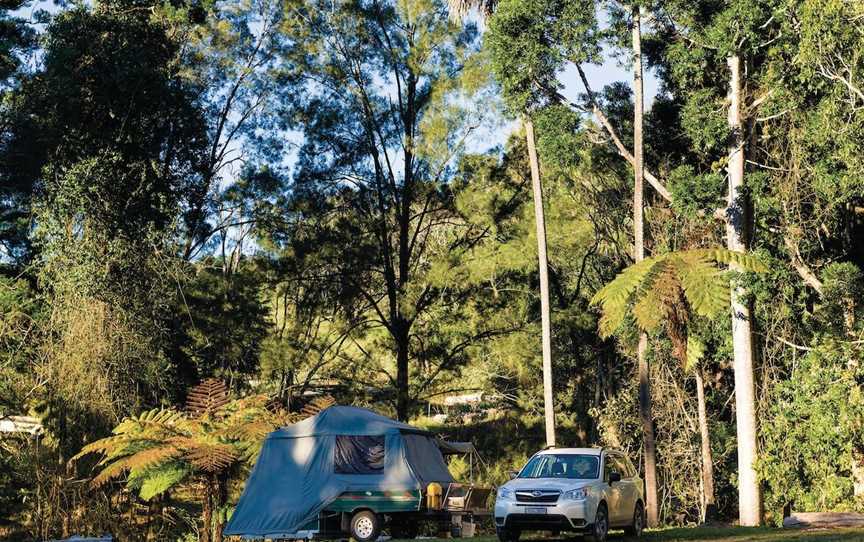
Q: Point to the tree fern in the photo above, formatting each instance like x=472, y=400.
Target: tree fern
x=647, y=290
x=212, y=435
x=160, y=449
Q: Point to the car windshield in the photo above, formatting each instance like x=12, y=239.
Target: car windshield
x=572, y=466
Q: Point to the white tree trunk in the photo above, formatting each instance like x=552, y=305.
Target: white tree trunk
x=548, y=405
x=749, y=497
x=645, y=414
x=708, y=500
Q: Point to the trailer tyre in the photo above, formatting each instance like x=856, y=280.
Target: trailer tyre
x=365, y=526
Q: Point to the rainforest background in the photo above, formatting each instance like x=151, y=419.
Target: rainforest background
x=309, y=198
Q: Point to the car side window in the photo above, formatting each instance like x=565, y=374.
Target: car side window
x=608, y=467
x=616, y=463
x=622, y=468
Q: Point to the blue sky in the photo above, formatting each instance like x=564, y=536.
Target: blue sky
x=496, y=133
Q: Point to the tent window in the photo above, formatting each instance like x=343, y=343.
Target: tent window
x=359, y=455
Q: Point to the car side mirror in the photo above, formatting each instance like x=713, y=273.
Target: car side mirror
x=513, y=474
x=614, y=477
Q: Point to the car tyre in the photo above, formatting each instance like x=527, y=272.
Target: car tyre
x=600, y=528
x=365, y=526
x=507, y=535
x=635, y=528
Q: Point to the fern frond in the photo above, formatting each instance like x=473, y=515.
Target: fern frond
x=207, y=397
x=695, y=352
x=614, y=299
x=650, y=306
x=317, y=405
x=623, y=286
x=150, y=457
x=211, y=457
x=161, y=479
x=252, y=431
x=743, y=261
x=110, y=472
x=101, y=446
x=612, y=319
x=706, y=291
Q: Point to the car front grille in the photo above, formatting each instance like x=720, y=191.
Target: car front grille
x=537, y=495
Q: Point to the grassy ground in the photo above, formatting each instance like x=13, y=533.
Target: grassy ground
x=717, y=535
x=752, y=535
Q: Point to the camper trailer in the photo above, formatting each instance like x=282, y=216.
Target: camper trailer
x=351, y=472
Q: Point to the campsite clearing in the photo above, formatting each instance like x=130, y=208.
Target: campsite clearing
x=727, y=534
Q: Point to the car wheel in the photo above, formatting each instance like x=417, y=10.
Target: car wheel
x=507, y=535
x=600, y=527
x=635, y=528
x=365, y=526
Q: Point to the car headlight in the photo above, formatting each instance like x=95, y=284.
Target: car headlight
x=504, y=494
x=576, y=494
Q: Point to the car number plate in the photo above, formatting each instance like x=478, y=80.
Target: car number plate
x=538, y=510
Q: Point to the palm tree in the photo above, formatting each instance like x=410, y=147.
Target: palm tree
x=204, y=446
x=671, y=290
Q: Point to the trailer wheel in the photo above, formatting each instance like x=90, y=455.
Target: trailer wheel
x=365, y=526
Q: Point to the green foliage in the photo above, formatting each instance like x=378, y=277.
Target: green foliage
x=814, y=431
x=650, y=287
x=530, y=42
x=161, y=450
x=15, y=193
x=693, y=193
x=225, y=321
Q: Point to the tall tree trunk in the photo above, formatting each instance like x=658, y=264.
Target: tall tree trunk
x=548, y=405
x=207, y=512
x=645, y=415
x=737, y=238
x=403, y=398
x=708, y=502
x=220, y=498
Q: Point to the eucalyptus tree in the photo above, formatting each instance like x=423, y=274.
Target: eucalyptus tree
x=486, y=8
x=645, y=410
x=527, y=42
x=376, y=90
x=731, y=34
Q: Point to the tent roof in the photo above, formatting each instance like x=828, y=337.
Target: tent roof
x=344, y=420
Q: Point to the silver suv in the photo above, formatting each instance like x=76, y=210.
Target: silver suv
x=583, y=490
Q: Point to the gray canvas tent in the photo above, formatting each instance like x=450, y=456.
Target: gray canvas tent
x=306, y=466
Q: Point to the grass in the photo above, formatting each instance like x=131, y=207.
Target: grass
x=711, y=534
x=745, y=534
